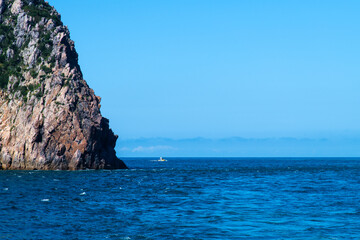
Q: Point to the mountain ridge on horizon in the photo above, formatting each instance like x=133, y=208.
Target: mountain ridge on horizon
x=238, y=146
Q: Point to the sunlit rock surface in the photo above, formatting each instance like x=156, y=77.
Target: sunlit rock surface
x=49, y=117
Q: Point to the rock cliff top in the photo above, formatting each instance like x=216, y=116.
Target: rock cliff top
x=49, y=117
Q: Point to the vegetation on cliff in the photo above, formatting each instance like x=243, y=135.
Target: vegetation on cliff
x=49, y=117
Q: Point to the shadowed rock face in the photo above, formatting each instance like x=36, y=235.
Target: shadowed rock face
x=49, y=117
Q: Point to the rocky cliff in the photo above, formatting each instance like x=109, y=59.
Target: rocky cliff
x=49, y=117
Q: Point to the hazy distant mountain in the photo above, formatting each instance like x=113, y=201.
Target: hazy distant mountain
x=240, y=147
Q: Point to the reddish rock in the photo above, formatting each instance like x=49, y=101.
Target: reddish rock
x=49, y=117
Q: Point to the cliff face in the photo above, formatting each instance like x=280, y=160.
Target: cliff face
x=49, y=117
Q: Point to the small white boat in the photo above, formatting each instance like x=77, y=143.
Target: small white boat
x=160, y=160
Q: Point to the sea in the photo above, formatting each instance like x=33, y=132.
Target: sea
x=186, y=198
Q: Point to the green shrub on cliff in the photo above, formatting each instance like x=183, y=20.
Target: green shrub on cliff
x=42, y=10
x=9, y=65
x=4, y=79
x=46, y=69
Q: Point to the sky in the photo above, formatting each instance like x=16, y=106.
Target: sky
x=217, y=69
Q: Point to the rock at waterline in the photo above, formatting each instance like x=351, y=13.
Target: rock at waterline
x=49, y=117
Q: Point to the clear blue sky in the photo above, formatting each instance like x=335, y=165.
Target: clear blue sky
x=213, y=69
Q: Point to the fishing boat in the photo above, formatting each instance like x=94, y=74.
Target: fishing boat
x=159, y=160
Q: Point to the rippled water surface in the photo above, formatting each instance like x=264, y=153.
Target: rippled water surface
x=186, y=198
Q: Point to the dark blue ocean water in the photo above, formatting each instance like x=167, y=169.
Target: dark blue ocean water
x=186, y=198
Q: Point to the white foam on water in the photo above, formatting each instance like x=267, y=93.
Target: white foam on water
x=82, y=194
x=45, y=200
